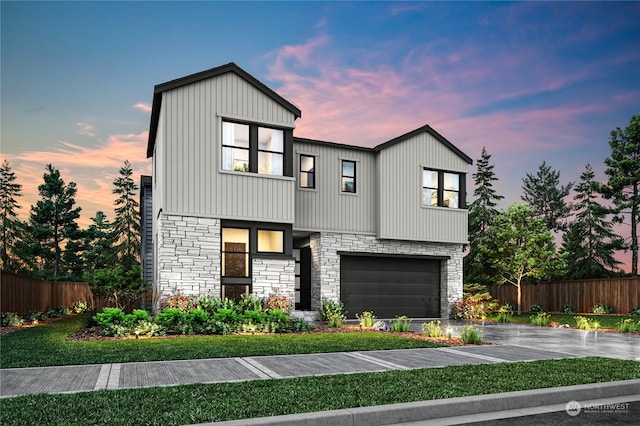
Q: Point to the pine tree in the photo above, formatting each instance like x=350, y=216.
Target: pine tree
x=10, y=225
x=482, y=211
x=546, y=198
x=623, y=187
x=98, y=241
x=590, y=242
x=53, y=223
x=126, y=226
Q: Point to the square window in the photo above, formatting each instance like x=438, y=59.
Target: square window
x=270, y=241
x=440, y=189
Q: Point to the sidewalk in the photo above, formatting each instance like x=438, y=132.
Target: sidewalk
x=79, y=378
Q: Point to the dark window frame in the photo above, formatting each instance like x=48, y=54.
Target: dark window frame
x=441, y=190
x=307, y=173
x=343, y=176
x=254, y=149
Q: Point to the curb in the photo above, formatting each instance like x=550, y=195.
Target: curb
x=444, y=408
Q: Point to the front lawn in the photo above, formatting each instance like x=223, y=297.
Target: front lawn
x=190, y=404
x=47, y=345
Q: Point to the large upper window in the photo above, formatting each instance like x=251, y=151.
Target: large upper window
x=349, y=176
x=441, y=189
x=253, y=148
x=307, y=171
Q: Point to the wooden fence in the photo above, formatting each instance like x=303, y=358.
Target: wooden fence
x=22, y=294
x=621, y=294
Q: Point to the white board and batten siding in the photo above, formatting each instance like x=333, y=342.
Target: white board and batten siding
x=399, y=173
x=326, y=208
x=189, y=129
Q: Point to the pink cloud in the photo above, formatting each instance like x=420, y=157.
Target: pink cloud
x=93, y=169
x=142, y=106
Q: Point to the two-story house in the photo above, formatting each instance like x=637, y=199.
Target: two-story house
x=240, y=205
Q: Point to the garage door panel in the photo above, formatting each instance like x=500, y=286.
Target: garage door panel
x=390, y=286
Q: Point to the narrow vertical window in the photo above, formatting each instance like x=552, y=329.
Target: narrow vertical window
x=349, y=176
x=270, y=151
x=307, y=178
x=451, y=190
x=429, y=188
x=235, y=147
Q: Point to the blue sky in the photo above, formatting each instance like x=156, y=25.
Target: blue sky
x=530, y=81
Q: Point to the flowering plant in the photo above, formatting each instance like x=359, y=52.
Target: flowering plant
x=278, y=303
x=178, y=300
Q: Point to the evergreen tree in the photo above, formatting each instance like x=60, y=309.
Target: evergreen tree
x=590, y=242
x=126, y=226
x=482, y=212
x=623, y=187
x=98, y=242
x=53, y=223
x=546, y=198
x=520, y=247
x=10, y=225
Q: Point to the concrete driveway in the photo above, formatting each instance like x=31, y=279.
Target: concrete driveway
x=563, y=340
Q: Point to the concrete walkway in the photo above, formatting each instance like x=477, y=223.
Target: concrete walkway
x=78, y=378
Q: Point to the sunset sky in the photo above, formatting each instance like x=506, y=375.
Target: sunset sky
x=531, y=82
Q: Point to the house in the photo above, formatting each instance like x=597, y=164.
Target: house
x=241, y=205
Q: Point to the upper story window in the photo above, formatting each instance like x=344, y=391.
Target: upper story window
x=441, y=189
x=307, y=177
x=253, y=148
x=348, y=176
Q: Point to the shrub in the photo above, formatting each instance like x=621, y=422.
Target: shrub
x=119, y=285
x=208, y=304
x=130, y=320
x=601, y=308
x=278, y=303
x=504, y=316
x=172, y=320
x=335, y=320
x=63, y=310
x=400, y=324
x=35, y=316
x=249, y=302
x=80, y=307
x=432, y=328
x=507, y=307
x=147, y=328
x=537, y=308
x=276, y=322
x=178, y=301
x=53, y=313
x=115, y=330
x=542, y=319
x=583, y=323
x=256, y=317
x=635, y=311
x=194, y=322
x=476, y=303
x=226, y=315
x=329, y=308
x=10, y=319
x=299, y=324
x=568, y=309
x=367, y=319
x=628, y=326
x=109, y=316
x=471, y=335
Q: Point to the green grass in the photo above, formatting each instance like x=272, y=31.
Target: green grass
x=226, y=401
x=46, y=345
x=604, y=321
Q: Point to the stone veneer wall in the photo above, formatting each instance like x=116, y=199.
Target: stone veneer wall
x=274, y=276
x=187, y=256
x=325, y=263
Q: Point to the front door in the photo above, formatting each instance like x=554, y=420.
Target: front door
x=303, y=278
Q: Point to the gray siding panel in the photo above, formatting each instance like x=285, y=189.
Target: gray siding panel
x=401, y=215
x=195, y=184
x=326, y=208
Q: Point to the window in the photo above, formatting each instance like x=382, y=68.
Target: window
x=253, y=148
x=307, y=171
x=441, y=189
x=270, y=241
x=349, y=176
x=235, y=252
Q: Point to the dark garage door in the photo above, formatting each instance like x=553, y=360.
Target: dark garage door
x=390, y=286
